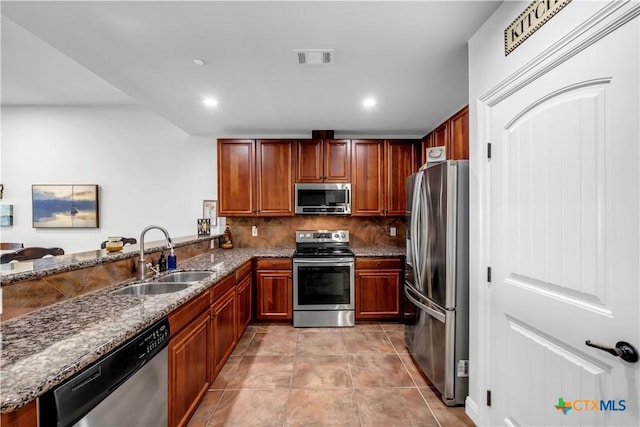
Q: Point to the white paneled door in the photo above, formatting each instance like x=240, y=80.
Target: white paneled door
x=564, y=240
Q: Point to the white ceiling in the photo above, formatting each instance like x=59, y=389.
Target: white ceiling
x=411, y=56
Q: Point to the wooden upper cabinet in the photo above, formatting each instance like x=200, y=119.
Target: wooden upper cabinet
x=236, y=177
x=337, y=160
x=367, y=184
x=275, y=161
x=440, y=135
x=310, y=166
x=255, y=177
x=400, y=161
x=458, y=143
x=324, y=160
x=453, y=133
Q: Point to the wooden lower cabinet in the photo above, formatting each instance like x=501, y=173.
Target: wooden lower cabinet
x=243, y=300
x=378, y=287
x=27, y=416
x=188, y=369
x=223, y=329
x=274, y=287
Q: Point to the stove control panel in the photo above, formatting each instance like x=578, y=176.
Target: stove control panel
x=322, y=236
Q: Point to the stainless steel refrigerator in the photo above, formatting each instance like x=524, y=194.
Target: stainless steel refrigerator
x=437, y=276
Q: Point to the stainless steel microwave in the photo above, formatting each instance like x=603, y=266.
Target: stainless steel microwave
x=323, y=199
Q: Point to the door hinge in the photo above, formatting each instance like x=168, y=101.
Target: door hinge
x=488, y=150
x=489, y=274
x=488, y=397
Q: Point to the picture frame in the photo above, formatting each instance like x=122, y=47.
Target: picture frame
x=204, y=227
x=6, y=215
x=210, y=210
x=65, y=206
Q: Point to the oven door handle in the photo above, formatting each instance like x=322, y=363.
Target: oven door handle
x=328, y=261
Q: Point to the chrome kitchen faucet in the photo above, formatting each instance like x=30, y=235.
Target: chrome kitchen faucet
x=141, y=264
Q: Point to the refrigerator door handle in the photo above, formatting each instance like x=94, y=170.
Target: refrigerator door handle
x=415, y=229
x=433, y=313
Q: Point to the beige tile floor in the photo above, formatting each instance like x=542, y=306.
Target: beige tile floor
x=282, y=376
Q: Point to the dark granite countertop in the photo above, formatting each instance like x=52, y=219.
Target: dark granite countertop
x=43, y=348
x=28, y=270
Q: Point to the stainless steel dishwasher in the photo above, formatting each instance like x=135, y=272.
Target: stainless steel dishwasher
x=127, y=387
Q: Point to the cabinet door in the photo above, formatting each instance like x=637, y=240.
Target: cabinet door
x=427, y=142
x=378, y=294
x=244, y=304
x=367, y=189
x=188, y=370
x=223, y=330
x=337, y=160
x=274, y=295
x=275, y=177
x=440, y=136
x=458, y=144
x=310, y=161
x=27, y=416
x=236, y=177
x=400, y=162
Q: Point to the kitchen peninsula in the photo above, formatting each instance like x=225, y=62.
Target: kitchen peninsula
x=42, y=348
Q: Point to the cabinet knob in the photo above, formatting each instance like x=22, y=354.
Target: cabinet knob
x=379, y=262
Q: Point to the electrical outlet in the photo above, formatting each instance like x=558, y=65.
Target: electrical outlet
x=392, y=231
x=254, y=230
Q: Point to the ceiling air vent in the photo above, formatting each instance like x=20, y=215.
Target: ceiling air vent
x=315, y=56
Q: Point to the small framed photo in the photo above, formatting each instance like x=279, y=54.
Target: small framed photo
x=204, y=227
x=210, y=210
x=6, y=215
x=65, y=206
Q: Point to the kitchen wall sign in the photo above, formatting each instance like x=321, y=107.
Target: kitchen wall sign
x=529, y=21
x=65, y=206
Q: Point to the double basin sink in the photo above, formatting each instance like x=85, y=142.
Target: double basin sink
x=172, y=282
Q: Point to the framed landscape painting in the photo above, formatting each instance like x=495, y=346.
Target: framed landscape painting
x=65, y=206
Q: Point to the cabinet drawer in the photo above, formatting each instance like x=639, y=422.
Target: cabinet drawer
x=378, y=263
x=273, y=264
x=242, y=271
x=222, y=287
x=183, y=315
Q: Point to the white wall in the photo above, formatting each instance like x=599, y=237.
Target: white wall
x=488, y=67
x=148, y=170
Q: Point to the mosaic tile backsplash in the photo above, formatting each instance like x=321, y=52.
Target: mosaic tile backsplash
x=280, y=231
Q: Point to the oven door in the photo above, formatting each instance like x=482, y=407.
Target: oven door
x=323, y=284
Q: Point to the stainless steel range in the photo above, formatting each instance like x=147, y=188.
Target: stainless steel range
x=323, y=279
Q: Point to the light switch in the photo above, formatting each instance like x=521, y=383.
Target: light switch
x=392, y=231
x=254, y=230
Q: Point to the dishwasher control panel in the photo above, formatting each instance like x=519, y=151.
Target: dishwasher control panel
x=153, y=339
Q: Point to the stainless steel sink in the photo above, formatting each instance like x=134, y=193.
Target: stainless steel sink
x=185, y=276
x=152, y=288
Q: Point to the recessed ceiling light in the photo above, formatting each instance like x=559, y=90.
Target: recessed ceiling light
x=210, y=102
x=369, y=102
x=199, y=62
